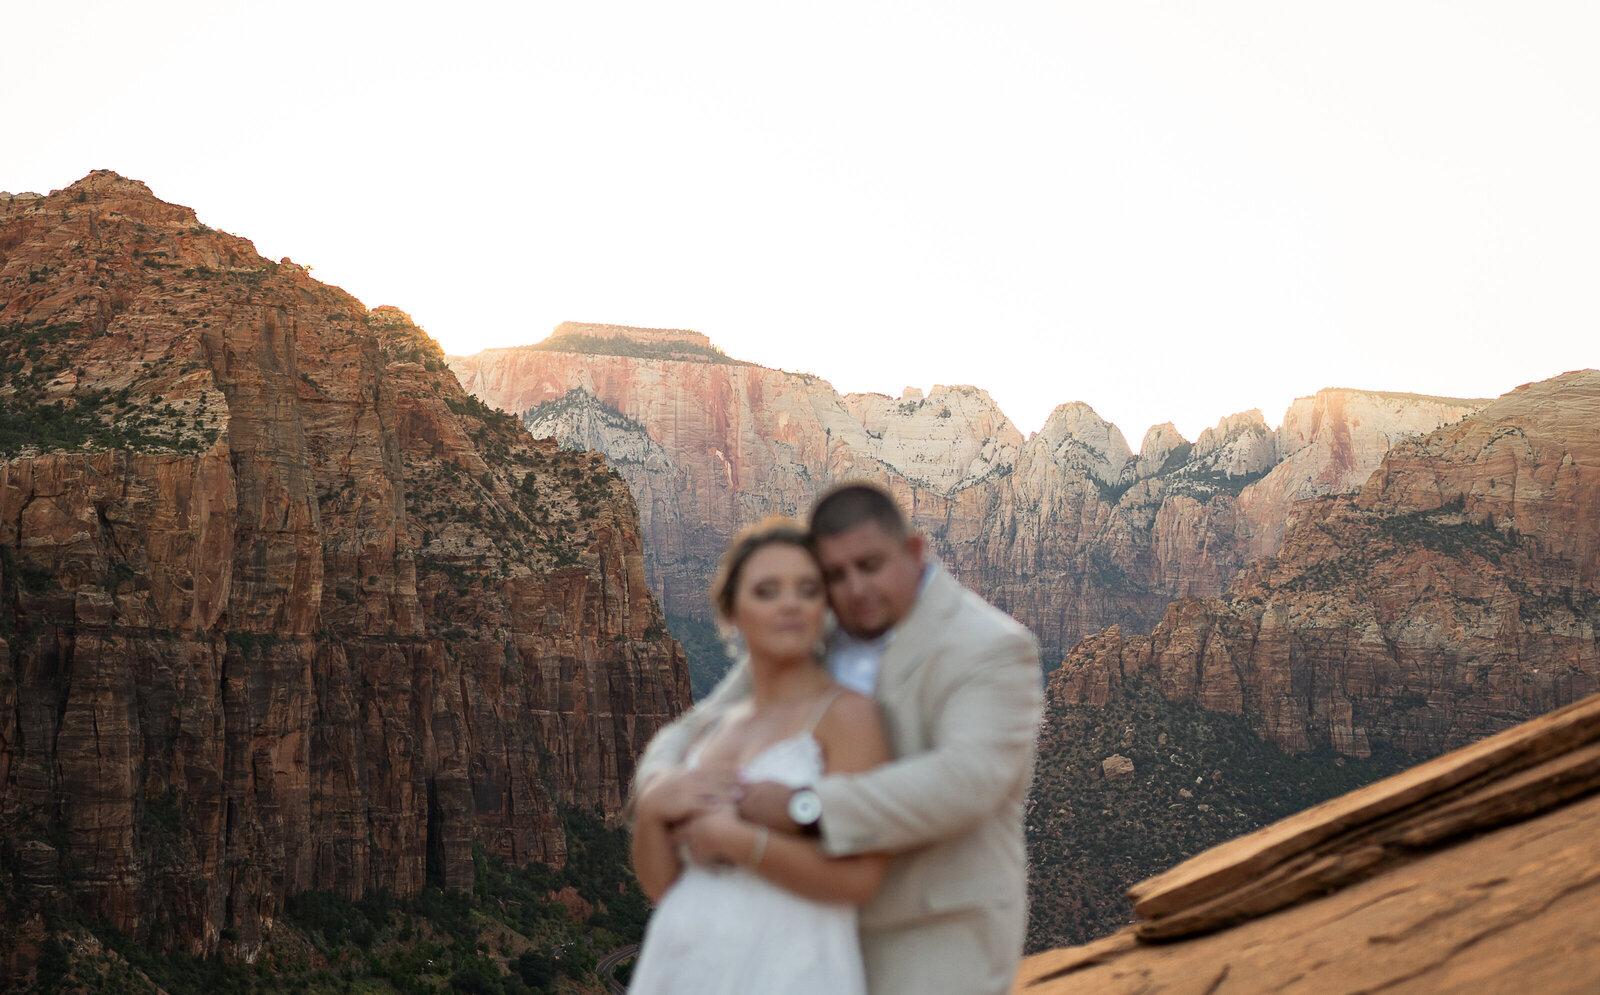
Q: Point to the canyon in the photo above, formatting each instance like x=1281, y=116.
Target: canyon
x=281, y=607
x=1452, y=596
x=1455, y=593
x=1069, y=529
x=293, y=603
x=1252, y=622
x=1393, y=568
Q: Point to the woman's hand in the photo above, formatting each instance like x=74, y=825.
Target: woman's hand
x=682, y=793
x=718, y=836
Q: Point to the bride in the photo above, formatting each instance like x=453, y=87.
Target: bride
x=740, y=909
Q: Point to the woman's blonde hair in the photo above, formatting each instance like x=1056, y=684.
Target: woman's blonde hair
x=776, y=530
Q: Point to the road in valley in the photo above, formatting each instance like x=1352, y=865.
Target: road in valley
x=609, y=963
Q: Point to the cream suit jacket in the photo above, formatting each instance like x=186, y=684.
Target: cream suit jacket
x=960, y=689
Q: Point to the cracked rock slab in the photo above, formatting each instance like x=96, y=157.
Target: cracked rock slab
x=1479, y=871
x=1513, y=910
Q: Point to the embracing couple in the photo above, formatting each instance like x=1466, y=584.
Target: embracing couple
x=843, y=814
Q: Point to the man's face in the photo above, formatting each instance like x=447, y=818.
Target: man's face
x=871, y=577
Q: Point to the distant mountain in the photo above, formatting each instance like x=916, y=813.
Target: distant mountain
x=1069, y=529
x=1455, y=594
x=282, y=609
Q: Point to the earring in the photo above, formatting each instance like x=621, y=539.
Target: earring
x=830, y=626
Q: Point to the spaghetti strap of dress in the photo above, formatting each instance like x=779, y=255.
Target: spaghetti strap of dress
x=821, y=708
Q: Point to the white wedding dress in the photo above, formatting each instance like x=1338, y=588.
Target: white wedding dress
x=728, y=931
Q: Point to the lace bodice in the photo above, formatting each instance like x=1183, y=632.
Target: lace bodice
x=795, y=761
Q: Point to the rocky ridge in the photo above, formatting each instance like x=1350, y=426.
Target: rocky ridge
x=1455, y=594
x=1069, y=530
x=709, y=445
x=281, y=607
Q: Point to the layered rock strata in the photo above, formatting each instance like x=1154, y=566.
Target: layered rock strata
x=1454, y=595
x=1069, y=529
x=709, y=445
x=281, y=607
x=1477, y=871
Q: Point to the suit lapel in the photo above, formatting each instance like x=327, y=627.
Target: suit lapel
x=919, y=631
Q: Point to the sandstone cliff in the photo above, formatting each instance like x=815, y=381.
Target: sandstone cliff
x=1475, y=872
x=281, y=607
x=1455, y=594
x=709, y=445
x=1069, y=530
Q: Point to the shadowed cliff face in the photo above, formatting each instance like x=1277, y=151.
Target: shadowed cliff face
x=1068, y=530
x=1455, y=595
x=281, y=607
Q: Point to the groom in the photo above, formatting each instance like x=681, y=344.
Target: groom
x=959, y=684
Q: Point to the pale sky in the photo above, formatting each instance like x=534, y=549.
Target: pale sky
x=1170, y=211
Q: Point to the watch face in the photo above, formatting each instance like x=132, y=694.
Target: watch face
x=805, y=807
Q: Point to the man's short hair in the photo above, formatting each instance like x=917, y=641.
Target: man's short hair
x=849, y=505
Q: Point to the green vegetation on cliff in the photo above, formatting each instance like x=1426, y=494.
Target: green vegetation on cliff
x=705, y=650
x=1447, y=530
x=1090, y=838
x=38, y=410
x=521, y=930
x=621, y=345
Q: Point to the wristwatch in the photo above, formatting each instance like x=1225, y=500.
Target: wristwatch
x=805, y=810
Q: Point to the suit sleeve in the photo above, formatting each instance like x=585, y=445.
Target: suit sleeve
x=668, y=746
x=983, y=746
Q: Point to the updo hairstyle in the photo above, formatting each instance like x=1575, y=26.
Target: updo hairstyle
x=776, y=530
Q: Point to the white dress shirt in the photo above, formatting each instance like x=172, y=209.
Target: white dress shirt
x=854, y=662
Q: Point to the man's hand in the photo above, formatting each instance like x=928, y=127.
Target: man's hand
x=681, y=794
x=766, y=803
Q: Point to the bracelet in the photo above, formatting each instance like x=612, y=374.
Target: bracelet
x=760, y=849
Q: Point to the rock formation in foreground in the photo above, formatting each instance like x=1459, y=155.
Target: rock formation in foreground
x=1478, y=871
x=281, y=607
x=1069, y=530
x=1456, y=594
x=1198, y=778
